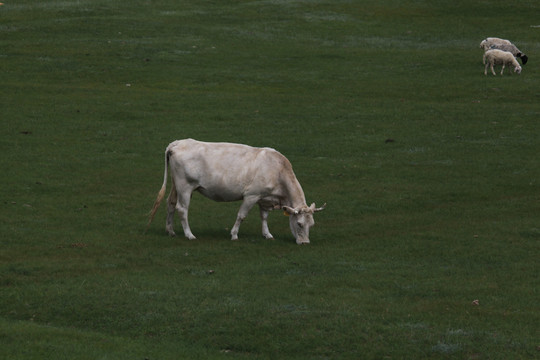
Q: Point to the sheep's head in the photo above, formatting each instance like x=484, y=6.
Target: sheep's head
x=524, y=59
x=517, y=69
x=484, y=45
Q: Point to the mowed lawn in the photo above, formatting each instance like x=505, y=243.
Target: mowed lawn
x=428, y=247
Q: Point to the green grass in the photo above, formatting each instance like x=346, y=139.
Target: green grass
x=429, y=168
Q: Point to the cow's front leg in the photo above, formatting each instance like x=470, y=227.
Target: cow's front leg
x=264, y=218
x=247, y=204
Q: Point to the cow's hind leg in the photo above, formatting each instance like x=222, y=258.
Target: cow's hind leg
x=264, y=218
x=182, y=205
x=179, y=199
x=171, y=208
x=247, y=204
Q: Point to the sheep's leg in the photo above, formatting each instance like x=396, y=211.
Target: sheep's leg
x=502, y=69
x=492, y=71
x=485, y=69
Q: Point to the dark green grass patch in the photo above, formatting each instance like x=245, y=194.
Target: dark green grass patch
x=428, y=246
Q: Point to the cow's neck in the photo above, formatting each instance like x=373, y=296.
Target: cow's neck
x=295, y=194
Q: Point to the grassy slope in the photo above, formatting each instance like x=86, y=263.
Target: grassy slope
x=416, y=229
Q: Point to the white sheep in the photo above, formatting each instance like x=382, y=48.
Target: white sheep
x=499, y=57
x=505, y=45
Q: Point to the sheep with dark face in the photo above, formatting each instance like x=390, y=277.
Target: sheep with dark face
x=499, y=57
x=488, y=42
x=504, y=45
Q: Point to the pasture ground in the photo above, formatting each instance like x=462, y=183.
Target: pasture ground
x=429, y=168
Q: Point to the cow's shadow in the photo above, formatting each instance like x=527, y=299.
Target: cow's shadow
x=215, y=235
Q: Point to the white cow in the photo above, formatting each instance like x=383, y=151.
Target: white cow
x=231, y=172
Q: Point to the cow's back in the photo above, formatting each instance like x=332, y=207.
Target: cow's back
x=226, y=171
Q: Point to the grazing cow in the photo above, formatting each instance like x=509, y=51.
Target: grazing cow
x=231, y=172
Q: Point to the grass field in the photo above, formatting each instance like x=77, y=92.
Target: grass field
x=429, y=245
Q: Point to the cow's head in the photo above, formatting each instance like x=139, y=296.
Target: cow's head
x=301, y=220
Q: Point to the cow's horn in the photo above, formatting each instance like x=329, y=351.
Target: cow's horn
x=321, y=208
x=290, y=210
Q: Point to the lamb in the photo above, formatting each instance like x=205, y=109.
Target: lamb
x=498, y=57
x=505, y=45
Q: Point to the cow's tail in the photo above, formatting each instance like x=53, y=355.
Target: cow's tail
x=161, y=193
